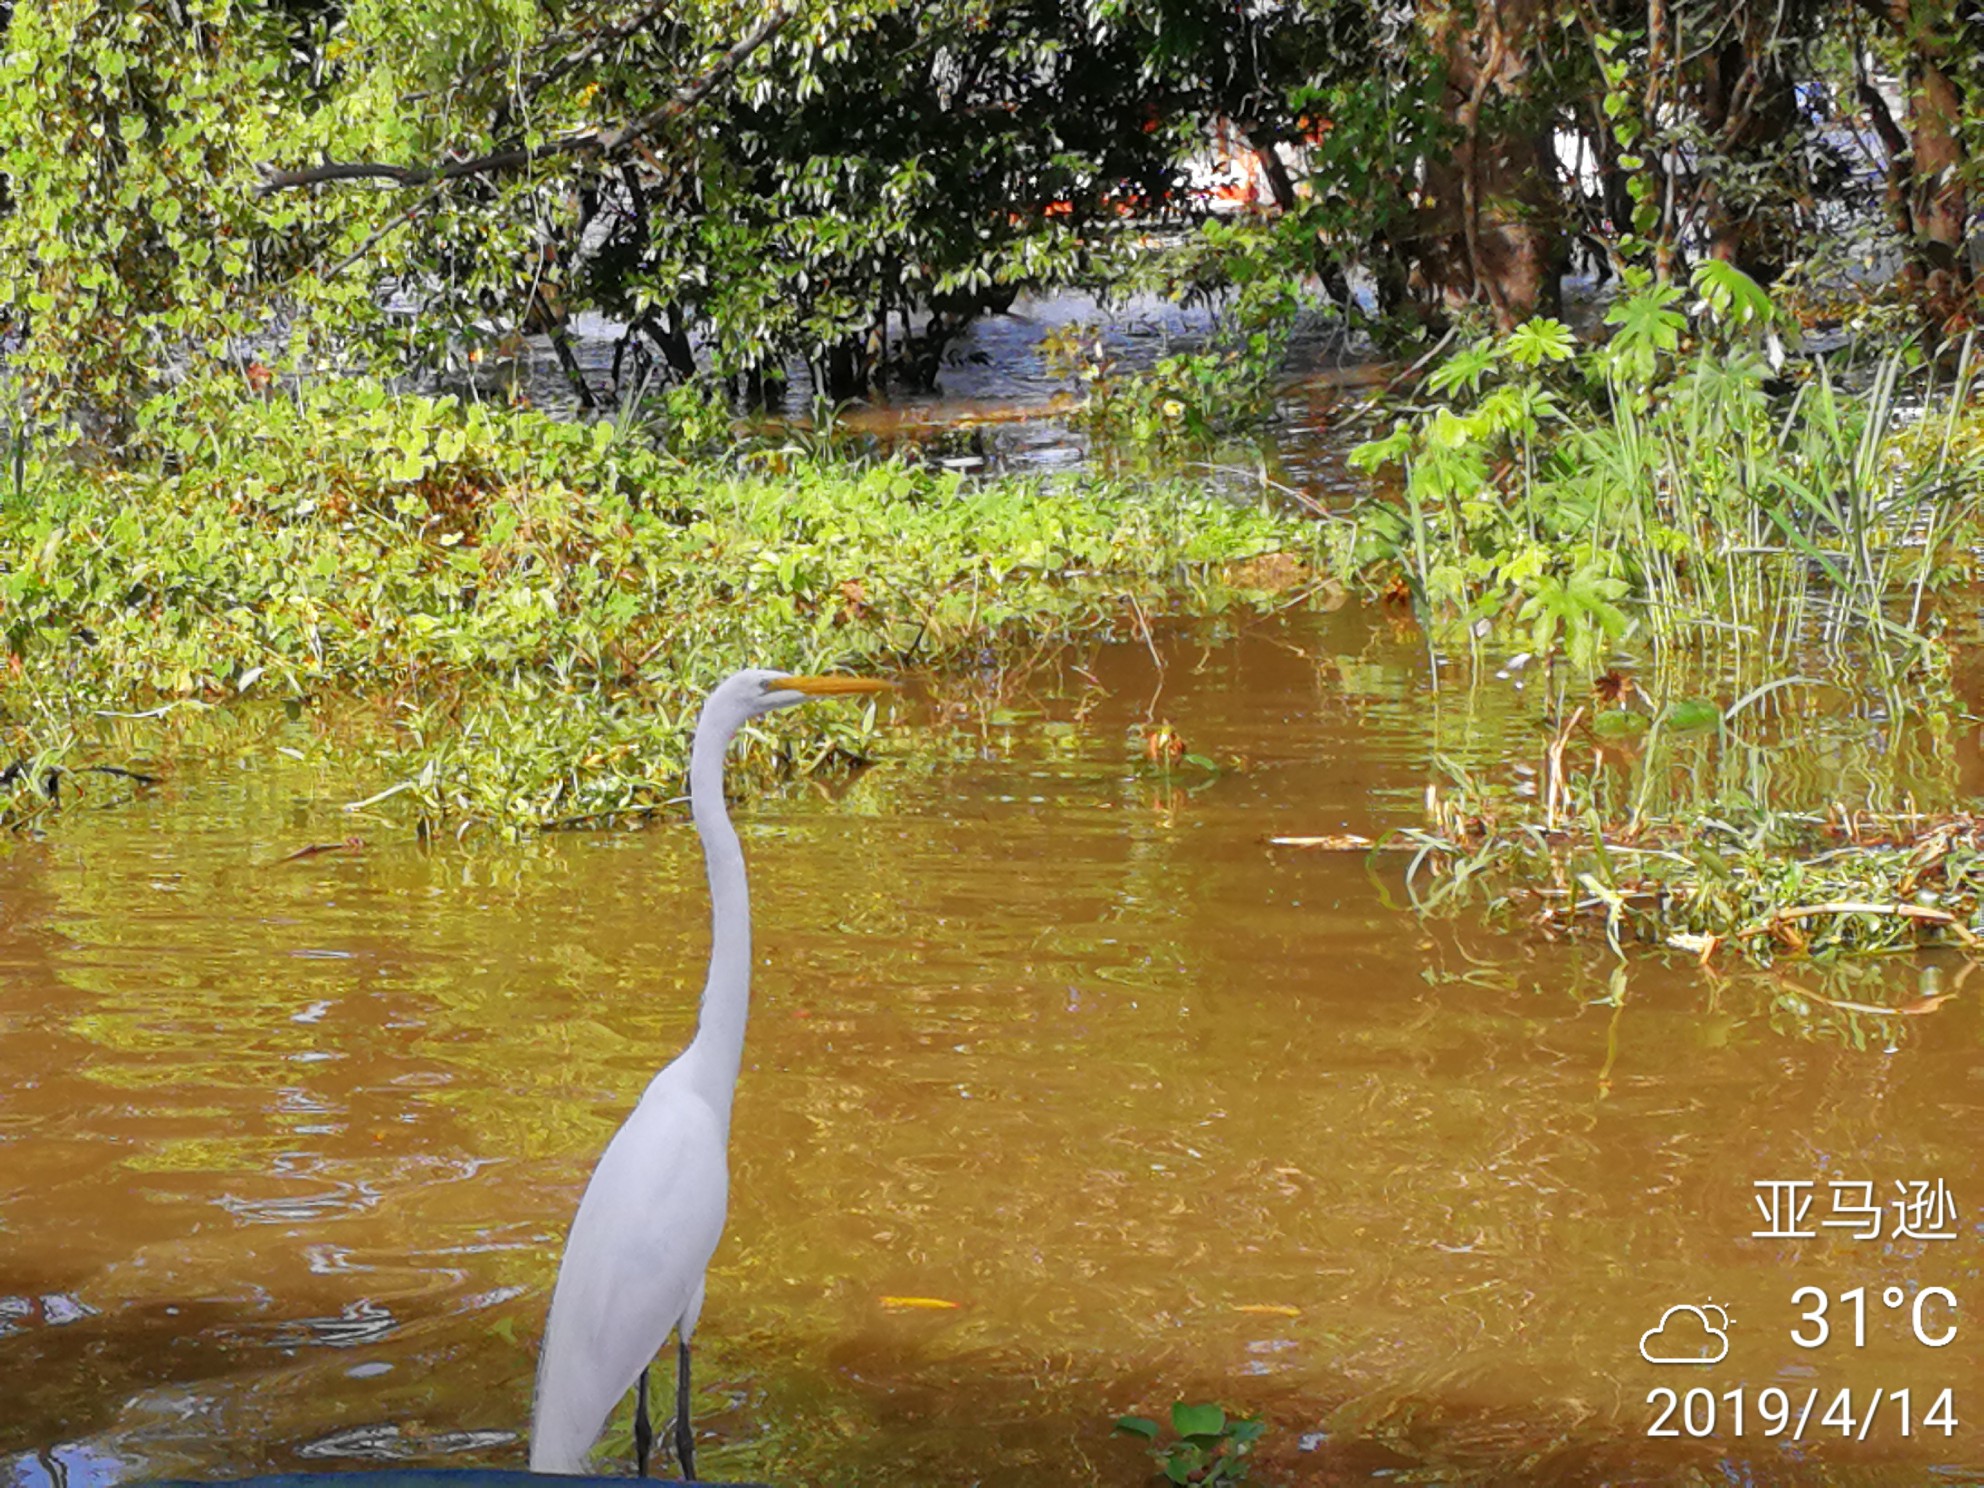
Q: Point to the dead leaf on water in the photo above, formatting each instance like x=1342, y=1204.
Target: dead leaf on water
x=926, y=1304
x=1343, y=842
x=1614, y=687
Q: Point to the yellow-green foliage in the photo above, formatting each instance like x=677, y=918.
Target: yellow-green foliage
x=129, y=130
x=545, y=601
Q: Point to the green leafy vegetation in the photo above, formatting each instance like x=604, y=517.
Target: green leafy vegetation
x=535, y=606
x=1670, y=481
x=1222, y=386
x=845, y=186
x=1207, y=1446
x=128, y=232
x=1678, y=512
x=210, y=205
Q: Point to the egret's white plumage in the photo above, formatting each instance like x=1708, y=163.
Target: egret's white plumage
x=633, y=1267
x=654, y=1209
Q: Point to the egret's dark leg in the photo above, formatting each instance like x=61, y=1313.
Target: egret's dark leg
x=643, y=1428
x=685, y=1440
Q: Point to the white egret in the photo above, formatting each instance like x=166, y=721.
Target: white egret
x=654, y=1208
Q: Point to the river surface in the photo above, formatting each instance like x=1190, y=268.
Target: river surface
x=1003, y=398
x=1067, y=1094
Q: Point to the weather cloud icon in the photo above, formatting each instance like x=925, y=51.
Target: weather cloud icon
x=1685, y=1334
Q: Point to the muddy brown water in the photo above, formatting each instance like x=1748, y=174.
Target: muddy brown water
x=1066, y=1095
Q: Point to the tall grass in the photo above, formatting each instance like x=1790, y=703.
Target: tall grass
x=1773, y=539
x=1698, y=498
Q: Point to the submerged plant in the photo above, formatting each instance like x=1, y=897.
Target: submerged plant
x=1664, y=822
x=1761, y=888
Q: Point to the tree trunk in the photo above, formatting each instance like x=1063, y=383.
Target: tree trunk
x=1274, y=170
x=1940, y=206
x=1490, y=228
x=1749, y=107
x=1928, y=178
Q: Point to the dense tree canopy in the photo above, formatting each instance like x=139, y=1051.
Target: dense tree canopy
x=841, y=185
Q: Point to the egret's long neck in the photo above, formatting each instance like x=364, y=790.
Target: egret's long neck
x=718, y=1047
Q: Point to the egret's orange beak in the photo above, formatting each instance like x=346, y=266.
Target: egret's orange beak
x=832, y=686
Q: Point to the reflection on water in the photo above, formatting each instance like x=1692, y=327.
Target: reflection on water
x=287, y=1148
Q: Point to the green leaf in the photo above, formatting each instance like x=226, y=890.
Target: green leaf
x=1197, y=1420
x=1731, y=294
x=1142, y=1426
x=1647, y=315
x=1618, y=723
x=1648, y=323
x=1375, y=454
x=1540, y=340
x=1692, y=714
x=1465, y=368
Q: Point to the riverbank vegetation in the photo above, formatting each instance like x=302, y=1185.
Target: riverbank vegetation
x=753, y=194
x=1695, y=832
x=1723, y=556
x=1677, y=300
x=534, y=606
x=1679, y=466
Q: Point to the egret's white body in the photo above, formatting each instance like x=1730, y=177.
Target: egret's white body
x=633, y=1267
x=654, y=1209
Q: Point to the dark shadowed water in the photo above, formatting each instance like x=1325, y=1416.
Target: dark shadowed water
x=1066, y=1095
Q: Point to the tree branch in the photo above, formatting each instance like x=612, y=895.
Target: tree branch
x=572, y=60
x=1882, y=118
x=604, y=38
x=607, y=142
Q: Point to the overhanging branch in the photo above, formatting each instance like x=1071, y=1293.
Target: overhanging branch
x=602, y=142
x=607, y=36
